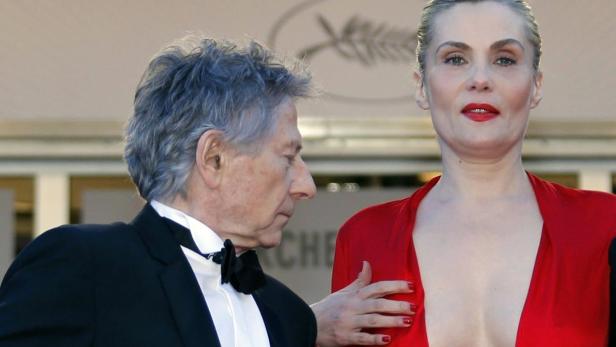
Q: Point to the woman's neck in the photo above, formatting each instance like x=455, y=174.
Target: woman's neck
x=487, y=178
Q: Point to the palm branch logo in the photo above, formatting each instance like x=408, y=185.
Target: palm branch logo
x=365, y=42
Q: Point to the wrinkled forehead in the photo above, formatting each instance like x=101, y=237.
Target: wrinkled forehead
x=478, y=24
x=286, y=132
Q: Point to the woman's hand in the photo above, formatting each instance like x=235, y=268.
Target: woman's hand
x=342, y=315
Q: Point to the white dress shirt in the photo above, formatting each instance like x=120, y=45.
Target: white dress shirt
x=236, y=315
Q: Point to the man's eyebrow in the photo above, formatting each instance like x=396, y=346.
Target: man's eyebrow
x=502, y=43
x=456, y=44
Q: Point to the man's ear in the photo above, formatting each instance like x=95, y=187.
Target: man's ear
x=209, y=157
x=538, y=92
x=420, y=93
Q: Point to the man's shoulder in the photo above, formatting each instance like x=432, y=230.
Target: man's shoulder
x=59, y=261
x=76, y=241
x=82, y=235
x=85, y=230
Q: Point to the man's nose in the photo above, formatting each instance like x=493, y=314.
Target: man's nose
x=302, y=186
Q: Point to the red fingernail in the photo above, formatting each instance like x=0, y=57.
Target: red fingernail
x=386, y=339
x=413, y=308
x=407, y=320
x=411, y=286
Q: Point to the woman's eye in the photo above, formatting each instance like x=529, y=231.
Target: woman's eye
x=455, y=60
x=505, y=61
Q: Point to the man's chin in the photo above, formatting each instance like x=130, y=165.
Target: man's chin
x=272, y=240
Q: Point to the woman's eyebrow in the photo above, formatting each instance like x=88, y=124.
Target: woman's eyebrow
x=495, y=46
x=502, y=43
x=461, y=45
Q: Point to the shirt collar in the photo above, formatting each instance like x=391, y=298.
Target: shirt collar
x=205, y=238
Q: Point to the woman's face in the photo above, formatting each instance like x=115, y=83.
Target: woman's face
x=479, y=79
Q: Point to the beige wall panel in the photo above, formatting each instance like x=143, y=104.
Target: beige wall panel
x=108, y=206
x=7, y=229
x=73, y=59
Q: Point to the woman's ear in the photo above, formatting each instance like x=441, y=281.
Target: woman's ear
x=209, y=157
x=538, y=92
x=420, y=92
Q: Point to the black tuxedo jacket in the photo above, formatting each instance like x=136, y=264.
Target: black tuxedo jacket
x=125, y=285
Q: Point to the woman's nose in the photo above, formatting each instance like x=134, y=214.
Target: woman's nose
x=479, y=79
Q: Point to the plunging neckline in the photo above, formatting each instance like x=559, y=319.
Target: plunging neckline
x=539, y=256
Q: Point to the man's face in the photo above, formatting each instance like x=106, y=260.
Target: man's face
x=259, y=191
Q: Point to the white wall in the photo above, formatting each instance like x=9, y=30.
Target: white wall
x=74, y=59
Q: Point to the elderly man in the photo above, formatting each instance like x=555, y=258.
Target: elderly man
x=213, y=147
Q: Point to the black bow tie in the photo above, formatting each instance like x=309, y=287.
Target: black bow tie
x=243, y=272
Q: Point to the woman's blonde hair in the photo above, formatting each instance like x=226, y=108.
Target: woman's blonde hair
x=433, y=8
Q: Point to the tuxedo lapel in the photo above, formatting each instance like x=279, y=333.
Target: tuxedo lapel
x=275, y=330
x=188, y=306
x=178, y=281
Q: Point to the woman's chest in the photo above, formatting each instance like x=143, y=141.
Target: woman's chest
x=475, y=279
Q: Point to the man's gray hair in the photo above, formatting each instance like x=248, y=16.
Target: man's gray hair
x=198, y=85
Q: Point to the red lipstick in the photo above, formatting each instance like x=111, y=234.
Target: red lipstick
x=480, y=112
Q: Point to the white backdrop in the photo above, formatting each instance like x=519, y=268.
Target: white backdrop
x=74, y=59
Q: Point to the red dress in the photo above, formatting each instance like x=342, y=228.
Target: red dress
x=567, y=303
